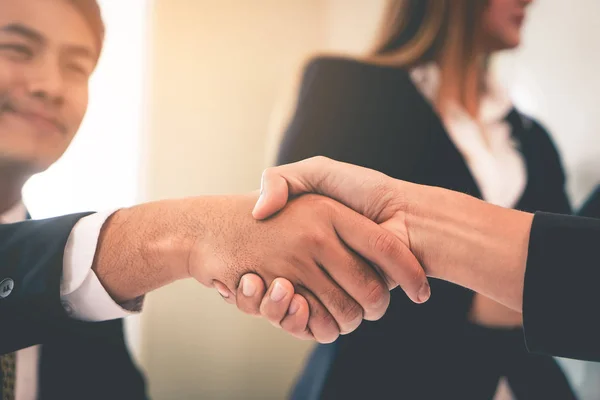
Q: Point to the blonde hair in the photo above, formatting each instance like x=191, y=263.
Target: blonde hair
x=414, y=32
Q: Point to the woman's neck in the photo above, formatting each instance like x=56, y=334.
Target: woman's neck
x=462, y=84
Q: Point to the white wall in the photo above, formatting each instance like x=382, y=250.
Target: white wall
x=100, y=170
x=216, y=71
x=554, y=76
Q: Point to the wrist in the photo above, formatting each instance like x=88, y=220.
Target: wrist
x=419, y=206
x=169, y=235
x=141, y=249
x=464, y=240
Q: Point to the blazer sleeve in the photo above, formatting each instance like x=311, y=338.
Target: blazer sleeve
x=561, y=301
x=31, y=260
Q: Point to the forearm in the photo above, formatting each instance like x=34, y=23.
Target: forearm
x=146, y=247
x=469, y=242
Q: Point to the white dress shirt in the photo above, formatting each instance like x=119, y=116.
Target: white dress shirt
x=82, y=294
x=492, y=155
x=490, y=152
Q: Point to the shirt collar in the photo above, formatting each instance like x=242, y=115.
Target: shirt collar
x=495, y=103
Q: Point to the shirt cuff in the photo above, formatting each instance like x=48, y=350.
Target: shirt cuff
x=82, y=294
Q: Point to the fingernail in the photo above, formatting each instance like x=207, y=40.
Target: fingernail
x=224, y=293
x=424, y=292
x=294, y=307
x=248, y=287
x=262, y=183
x=278, y=292
x=259, y=202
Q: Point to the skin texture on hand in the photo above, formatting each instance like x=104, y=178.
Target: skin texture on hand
x=376, y=200
x=368, y=192
x=455, y=237
x=319, y=245
x=324, y=249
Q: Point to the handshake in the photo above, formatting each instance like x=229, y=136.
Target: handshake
x=321, y=247
x=329, y=240
x=328, y=259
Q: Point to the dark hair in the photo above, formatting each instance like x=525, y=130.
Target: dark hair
x=91, y=12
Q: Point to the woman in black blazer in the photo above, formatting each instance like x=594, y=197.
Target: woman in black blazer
x=421, y=109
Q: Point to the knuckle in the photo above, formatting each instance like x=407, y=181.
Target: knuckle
x=323, y=325
x=352, y=312
x=385, y=243
x=293, y=325
x=347, y=312
x=247, y=306
x=320, y=204
x=268, y=172
x=316, y=238
x=319, y=160
x=377, y=296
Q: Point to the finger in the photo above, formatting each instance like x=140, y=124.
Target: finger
x=349, y=184
x=224, y=292
x=278, y=183
x=277, y=301
x=295, y=322
x=346, y=312
x=381, y=247
x=321, y=323
x=359, y=280
x=250, y=292
x=273, y=197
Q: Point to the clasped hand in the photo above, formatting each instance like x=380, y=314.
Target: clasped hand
x=317, y=265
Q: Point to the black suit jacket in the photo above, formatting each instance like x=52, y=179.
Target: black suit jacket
x=375, y=117
x=561, y=301
x=79, y=360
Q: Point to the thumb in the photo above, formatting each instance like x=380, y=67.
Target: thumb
x=273, y=197
x=278, y=183
x=357, y=187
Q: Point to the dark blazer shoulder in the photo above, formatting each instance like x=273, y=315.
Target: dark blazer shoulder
x=353, y=65
x=349, y=110
x=540, y=137
x=349, y=77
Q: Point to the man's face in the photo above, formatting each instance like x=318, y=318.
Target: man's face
x=47, y=53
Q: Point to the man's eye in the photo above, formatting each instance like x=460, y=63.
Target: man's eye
x=16, y=51
x=78, y=70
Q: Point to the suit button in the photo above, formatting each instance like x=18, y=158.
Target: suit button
x=6, y=287
x=67, y=307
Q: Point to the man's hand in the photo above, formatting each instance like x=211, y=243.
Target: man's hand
x=329, y=253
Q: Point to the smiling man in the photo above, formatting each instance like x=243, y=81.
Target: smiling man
x=66, y=281
x=48, y=50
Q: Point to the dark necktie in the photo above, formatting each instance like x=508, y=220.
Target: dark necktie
x=8, y=369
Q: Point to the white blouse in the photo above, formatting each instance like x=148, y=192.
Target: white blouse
x=490, y=152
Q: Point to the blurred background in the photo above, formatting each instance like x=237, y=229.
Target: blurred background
x=181, y=105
